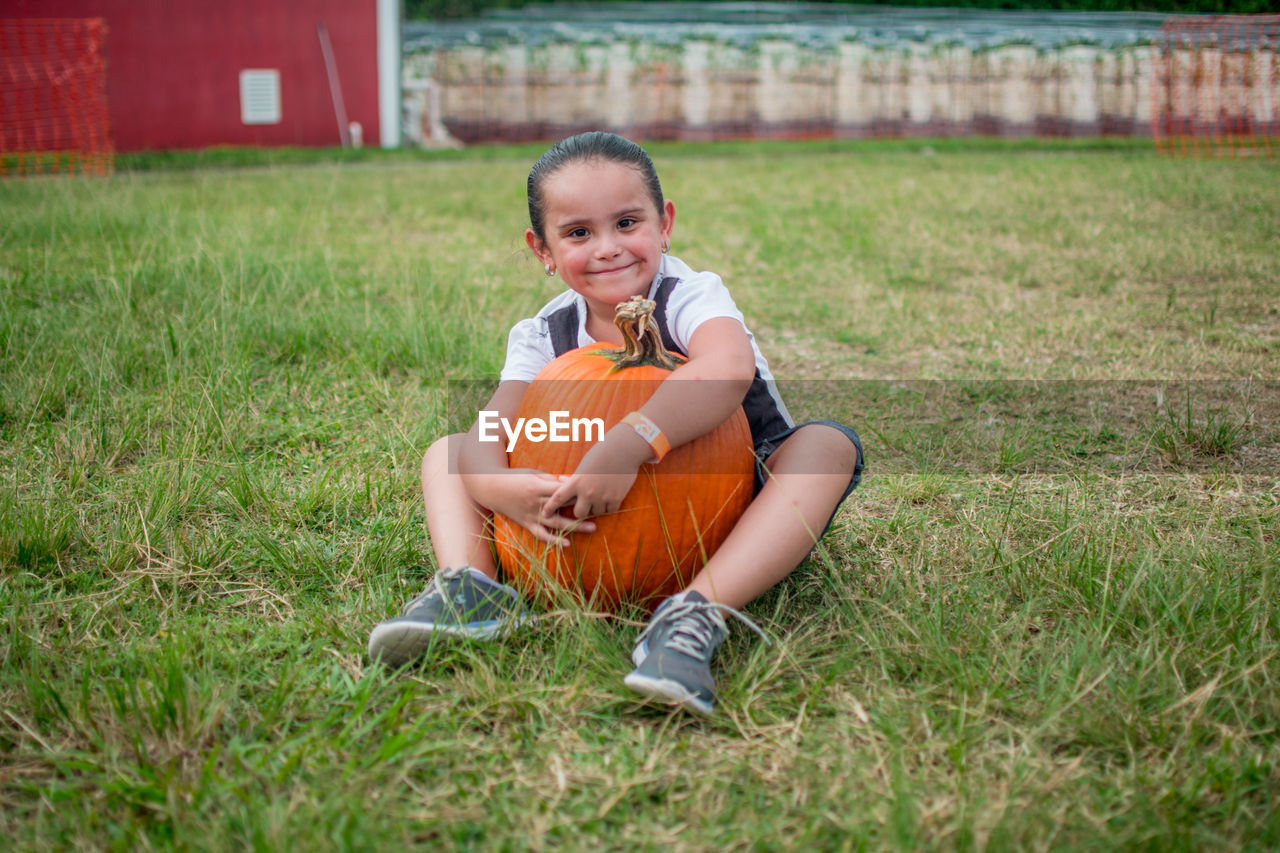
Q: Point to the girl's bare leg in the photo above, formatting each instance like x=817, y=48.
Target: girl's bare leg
x=458, y=526
x=806, y=477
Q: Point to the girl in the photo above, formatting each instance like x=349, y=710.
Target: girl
x=598, y=219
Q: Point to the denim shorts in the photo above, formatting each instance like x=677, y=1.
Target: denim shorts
x=766, y=447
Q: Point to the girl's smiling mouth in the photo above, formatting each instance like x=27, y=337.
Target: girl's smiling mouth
x=613, y=270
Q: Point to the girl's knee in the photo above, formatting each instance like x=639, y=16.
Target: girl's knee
x=441, y=457
x=839, y=451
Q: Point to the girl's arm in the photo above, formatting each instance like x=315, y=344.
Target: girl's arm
x=520, y=493
x=702, y=393
x=696, y=398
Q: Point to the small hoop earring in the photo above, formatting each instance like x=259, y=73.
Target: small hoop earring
x=550, y=271
x=666, y=247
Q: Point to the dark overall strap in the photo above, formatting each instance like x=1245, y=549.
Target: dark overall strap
x=762, y=411
x=660, y=314
x=563, y=325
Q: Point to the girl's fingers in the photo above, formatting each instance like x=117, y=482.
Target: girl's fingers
x=546, y=484
x=584, y=525
x=561, y=524
x=560, y=496
x=569, y=525
x=543, y=534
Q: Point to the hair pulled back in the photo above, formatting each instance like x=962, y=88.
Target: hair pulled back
x=594, y=145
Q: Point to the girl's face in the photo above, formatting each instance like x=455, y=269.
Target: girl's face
x=603, y=233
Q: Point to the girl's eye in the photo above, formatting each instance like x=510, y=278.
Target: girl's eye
x=578, y=232
x=626, y=222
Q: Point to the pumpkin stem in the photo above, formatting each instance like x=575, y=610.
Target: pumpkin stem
x=642, y=342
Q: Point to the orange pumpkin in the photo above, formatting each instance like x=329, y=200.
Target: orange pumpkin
x=678, y=511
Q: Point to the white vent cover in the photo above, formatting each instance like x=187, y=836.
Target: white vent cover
x=260, y=96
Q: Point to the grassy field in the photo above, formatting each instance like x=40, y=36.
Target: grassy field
x=1048, y=620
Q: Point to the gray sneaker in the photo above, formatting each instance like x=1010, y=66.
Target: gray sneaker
x=673, y=654
x=460, y=603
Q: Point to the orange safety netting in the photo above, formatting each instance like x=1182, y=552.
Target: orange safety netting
x=1217, y=86
x=54, y=116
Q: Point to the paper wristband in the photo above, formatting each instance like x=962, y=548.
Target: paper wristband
x=649, y=431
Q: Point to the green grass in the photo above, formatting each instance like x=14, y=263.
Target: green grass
x=1048, y=619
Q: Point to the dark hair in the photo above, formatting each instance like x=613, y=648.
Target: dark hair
x=595, y=145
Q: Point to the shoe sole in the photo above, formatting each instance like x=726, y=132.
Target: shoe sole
x=396, y=644
x=667, y=691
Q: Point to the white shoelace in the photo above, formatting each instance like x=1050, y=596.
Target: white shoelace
x=693, y=636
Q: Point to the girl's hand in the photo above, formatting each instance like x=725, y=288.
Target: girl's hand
x=603, y=477
x=521, y=494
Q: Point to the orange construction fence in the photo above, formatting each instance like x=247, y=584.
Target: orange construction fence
x=1217, y=86
x=54, y=116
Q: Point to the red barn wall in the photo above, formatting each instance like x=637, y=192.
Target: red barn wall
x=173, y=67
